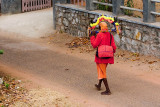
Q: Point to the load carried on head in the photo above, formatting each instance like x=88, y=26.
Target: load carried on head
x=101, y=21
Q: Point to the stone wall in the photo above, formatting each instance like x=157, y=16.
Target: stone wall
x=136, y=37
x=10, y=6
x=140, y=38
x=72, y=21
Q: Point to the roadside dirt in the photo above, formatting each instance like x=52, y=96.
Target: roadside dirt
x=25, y=92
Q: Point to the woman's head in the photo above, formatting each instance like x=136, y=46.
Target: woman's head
x=103, y=26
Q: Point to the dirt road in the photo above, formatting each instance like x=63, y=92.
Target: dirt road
x=76, y=73
x=132, y=83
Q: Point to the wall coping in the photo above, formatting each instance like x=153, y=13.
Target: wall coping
x=99, y=12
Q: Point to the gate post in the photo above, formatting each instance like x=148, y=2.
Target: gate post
x=148, y=6
x=62, y=1
x=54, y=10
x=116, y=7
x=90, y=5
x=69, y=1
x=54, y=14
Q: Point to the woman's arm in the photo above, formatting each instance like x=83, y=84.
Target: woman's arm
x=95, y=41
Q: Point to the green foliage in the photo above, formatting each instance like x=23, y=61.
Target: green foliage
x=1, y=51
x=6, y=85
x=103, y=7
x=129, y=4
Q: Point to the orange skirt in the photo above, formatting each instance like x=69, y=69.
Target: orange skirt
x=101, y=69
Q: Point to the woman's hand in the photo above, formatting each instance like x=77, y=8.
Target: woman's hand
x=93, y=33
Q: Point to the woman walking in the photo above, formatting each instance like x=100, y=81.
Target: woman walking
x=103, y=38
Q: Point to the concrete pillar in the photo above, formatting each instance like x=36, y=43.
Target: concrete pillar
x=54, y=14
x=116, y=7
x=11, y=6
x=148, y=6
x=69, y=1
x=61, y=1
x=54, y=10
x=90, y=5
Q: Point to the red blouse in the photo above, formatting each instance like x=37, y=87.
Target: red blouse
x=103, y=39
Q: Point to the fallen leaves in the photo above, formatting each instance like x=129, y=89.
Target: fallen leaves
x=83, y=44
x=135, y=59
x=138, y=60
x=77, y=42
x=135, y=54
x=120, y=55
x=10, y=92
x=151, y=62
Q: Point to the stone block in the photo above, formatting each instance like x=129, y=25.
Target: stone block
x=123, y=46
x=81, y=14
x=83, y=22
x=56, y=8
x=72, y=14
x=135, y=48
x=153, y=31
x=69, y=17
x=76, y=15
x=123, y=33
x=156, y=40
x=123, y=39
x=117, y=40
x=79, y=33
x=83, y=17
x=86, y=15
x=79, y=28
x=128, y=47
x=92, y=16
x=68, y=11
x=127, y=27
x=128, y=40
x=65, y=15
x=155, y=47
x=77, y=21
x=145, y=29
x=128, y=33
x=144, y=48
x=60, y=9
x=64, y=10
x=135, y=43
x=73, y=11
x=146, y=38
x=84, y=29
x=73, y=21
x=137, y=35
x=60, y=14
x=159, y=33
x=65, y=22
x=59, y=21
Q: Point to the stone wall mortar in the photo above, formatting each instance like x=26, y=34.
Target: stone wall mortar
x=137, y=38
